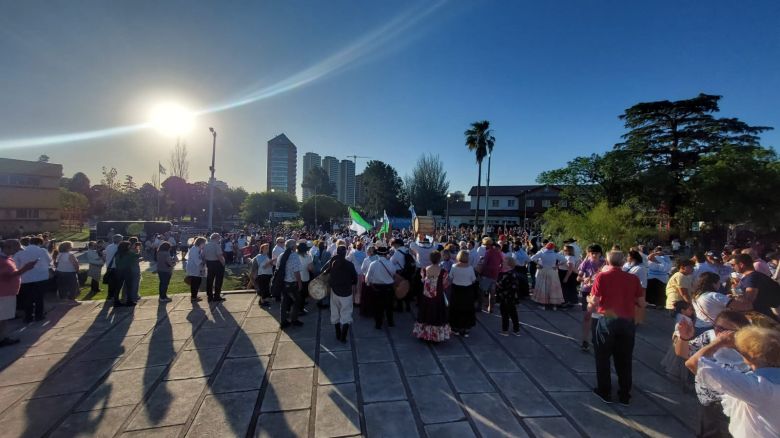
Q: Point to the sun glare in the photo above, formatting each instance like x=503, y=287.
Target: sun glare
x=171, y=119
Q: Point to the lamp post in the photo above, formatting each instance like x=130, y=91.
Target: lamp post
x=211, y=180
x=273, y=205
x=487, y=195
x=315, y=207
x=449, y=195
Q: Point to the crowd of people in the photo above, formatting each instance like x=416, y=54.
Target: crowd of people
x=726, y=342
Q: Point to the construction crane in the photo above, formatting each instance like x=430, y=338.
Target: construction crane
x=354, y=186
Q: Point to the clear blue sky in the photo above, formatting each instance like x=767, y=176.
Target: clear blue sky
x=552, y=77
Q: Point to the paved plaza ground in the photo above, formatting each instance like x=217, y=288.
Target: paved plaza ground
x=178, y=369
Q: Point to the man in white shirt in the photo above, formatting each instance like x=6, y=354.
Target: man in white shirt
x=380, y=278
x=422, y=251
x=108, y=256
x=293, y=285
x=278, y=250
x=33, y=281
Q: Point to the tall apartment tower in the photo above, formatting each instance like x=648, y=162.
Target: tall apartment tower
x=310, y=161
x=282, y=164
x=346, y=188
x=331, y=166
x=360, y=190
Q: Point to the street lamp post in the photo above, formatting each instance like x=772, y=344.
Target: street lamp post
x=211, y=180
x=487, y=196
x=271, y=213
x=315, y=208
x=449, y=195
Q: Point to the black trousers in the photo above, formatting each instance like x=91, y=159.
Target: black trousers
x=113, y=292
x=656, y=292
x=291, y=299
x=32, y=298
x=383, y=303
x=614, y=339
x=713, y=422
x=194, y=285
x=509, y=311
x=522, y=272
x=214, y=278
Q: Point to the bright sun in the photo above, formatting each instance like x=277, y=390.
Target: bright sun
x=171, y=119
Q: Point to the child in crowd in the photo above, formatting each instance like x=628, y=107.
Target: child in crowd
x=673, y=364
x=507, y=287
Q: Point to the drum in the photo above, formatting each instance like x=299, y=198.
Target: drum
x=318, y=288
x=425, y=225
x=401, y=287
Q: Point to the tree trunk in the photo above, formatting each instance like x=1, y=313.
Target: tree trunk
x=479, y=185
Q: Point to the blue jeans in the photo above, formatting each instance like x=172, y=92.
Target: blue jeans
x=614, y=338
x=165, y=280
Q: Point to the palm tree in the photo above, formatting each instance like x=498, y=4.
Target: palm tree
x=480, y=140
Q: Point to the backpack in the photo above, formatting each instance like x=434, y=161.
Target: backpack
x=409, y=266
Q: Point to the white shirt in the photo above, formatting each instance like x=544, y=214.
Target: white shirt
x=367, y=262
x=241, y=242
x=701, y=268
x=306, y=260
x=277, y=252
x=422, y=253
x=263, y=267
x=40, y=271
x=473, y=257
x=194, y=262
x=110, y=252
x=548, y=259
x=229, y=246
x=293, y=265
x=380, y=272
x=398, y=258
x=750, y=400
x=571, y=261
x=659, y=269
x=462, y=275
x=641, y=272
x=522, y=258
x=708, y=306
x=65, y=263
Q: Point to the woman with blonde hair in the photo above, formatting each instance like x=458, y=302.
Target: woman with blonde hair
x=67, y=272
x=463, y=295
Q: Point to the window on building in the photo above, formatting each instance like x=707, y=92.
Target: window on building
x=494, y=203
x=27, y=213
x=545, y=203
x=510, y=203
x=530, y=203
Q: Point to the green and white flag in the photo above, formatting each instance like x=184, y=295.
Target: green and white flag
x=359, y=225
x=385, y=225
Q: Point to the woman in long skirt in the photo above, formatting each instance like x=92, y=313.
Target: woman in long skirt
x=463, y=295
x=432, y=324
x=548, y=290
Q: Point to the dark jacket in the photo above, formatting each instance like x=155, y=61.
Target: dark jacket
x=342, y=276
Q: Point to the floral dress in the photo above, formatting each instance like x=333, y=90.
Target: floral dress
x=432, y=324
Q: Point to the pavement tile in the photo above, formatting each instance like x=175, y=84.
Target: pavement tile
x=551, y=427
x=417, y=359
x=434, y=399
x=158, y=352
x=592, y=415
x=466, y=375
x=11, y=394
x=60, y=343
x=208, y=337
x=337, y=413
x=336, y=367
x=660, y=426
x=293, y=424
x=223, y=415
x=526, y=399
x=453, y=347
x=240, y=374
x=194, y=363
x=73, y=377
x=109, y=348
x=122, y=388
x=294, y=354
x=363, y=327
x=308, y=332
x=683, y=407
x=371, y=350
x=552, y=375
x=252, y=344
x=288, y=390
x=391, y=419
x=192, y=317
x=328, y=341
x=218, y=317
x=491, y=416
x=265, y=324
x=493, y=358
x=157, y=432
x=460, y=429
x=171, y=332
x=380, y=382
x=97, y=423
x=30, y=369
x=169, y=404
x=32, y=418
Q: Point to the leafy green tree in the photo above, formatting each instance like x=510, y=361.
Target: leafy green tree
x=257, y=206
x=176, y=197
x=602, y=224
x=327, y=209
x=671, y=137
x=74, y=205
x=480, y=141
x=79, y=183
x=383, y=189
x=318, y=182
x=427, y=186
x=147, y=199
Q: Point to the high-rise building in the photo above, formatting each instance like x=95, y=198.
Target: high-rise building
x=346, y=187
x=360, y=190
x=282, y=164
x=331, y=166
x=310, y=161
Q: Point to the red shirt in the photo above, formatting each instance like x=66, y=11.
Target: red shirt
x=9, y=286
x=491, y=264
x=617, y=292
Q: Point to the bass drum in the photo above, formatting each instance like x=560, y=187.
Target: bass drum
x=318, y=288
x=425, y=225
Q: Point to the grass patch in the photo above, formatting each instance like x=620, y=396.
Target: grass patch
x=73, y=236
x=150, y=284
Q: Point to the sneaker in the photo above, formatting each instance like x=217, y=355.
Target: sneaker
x=165, y=300
x=605, y=399
x=456, y=333
x=503, y=333
x=517, y=333
x=196, y=300
x=624, y=401
x=585, y=346
x=466, y=334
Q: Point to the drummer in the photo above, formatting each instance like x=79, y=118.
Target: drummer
x=380, y=279
x=341, y=280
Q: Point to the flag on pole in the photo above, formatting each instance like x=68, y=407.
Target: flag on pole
x=359, y=225
x=161, y=168
x=385, y=225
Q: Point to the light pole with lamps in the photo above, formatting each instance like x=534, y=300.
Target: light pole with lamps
x=449, y=195
x=211, y=180
x=273, y=205
x=487, y=195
